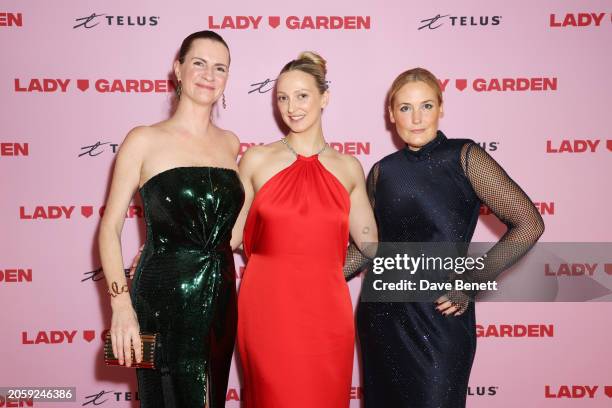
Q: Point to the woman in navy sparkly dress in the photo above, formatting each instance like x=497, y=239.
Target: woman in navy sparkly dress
x=420, y=354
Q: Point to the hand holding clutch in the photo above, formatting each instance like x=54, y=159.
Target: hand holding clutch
x=148, y=342
x=125, y=331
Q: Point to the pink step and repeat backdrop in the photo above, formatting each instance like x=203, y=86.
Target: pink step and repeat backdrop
x=531, y=84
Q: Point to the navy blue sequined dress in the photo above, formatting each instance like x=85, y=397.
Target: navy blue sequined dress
x=413, y=356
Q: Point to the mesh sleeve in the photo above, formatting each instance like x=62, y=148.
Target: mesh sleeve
x=356, y=261
x=511, y=205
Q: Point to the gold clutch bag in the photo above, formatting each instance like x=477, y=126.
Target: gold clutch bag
x=148, y=343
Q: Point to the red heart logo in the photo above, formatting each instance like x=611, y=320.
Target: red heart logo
x=608, y=268
x=608, y=390
x=609, y=145
x=87, y=210
x=461, y=84
x=89, y=335
x=83, y=84
x=274, y=21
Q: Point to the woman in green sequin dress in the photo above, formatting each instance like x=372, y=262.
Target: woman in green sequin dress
x=184, y=285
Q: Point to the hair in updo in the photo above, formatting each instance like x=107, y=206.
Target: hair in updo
x=414, y=75
x=310, y=63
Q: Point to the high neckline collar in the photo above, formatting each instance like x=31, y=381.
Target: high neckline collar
x=425, y=149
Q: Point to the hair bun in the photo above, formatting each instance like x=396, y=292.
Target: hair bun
x=310, y=63
x=315, y=59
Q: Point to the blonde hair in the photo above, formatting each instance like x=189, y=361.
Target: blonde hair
x=310, y=63
x=414, y=75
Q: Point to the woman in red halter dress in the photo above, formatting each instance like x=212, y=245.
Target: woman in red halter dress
x=295, y=324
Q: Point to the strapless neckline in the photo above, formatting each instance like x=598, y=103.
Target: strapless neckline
x=172, y=169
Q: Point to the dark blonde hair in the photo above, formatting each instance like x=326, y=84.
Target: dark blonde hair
x=414, y=75
x=310, y=63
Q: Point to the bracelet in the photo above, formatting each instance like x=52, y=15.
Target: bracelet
x=114, y=290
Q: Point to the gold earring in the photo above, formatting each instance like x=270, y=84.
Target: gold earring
x=179, y=89
x=223, y=101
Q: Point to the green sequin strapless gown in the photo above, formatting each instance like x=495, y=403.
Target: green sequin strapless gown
x=184, y=286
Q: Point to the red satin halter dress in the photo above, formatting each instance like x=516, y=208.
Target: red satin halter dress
x=295, y=317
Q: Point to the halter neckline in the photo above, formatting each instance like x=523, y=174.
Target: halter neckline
x=299, y=156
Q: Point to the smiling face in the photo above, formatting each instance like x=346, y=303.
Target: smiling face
x=299, y=100
x=204, y=71
x=415, y=111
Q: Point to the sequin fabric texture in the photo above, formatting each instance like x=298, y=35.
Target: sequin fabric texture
x=412, y=355
x=184, y=285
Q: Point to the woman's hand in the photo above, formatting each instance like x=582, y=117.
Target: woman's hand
x=125, y=331
x=455, y=307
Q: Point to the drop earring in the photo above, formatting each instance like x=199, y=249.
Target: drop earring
x=179, y=89
x=223, y=101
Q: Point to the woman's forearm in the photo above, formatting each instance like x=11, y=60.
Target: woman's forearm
x=109, y=240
